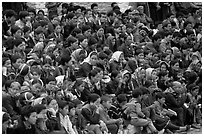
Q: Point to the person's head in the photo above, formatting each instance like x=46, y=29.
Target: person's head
x=29, y=114
x=94, y=99
x=41, y=12
x=113, y=4
x=32, y=12
x=19, y=45
x=188, y=25
x=72, y=42
x=177, y=87
x=164, y=66
x=160, y=97
x=100, y=31
x=156, y=39
x=6, y=121
x=94, y=7
x=86, y=30
x=167, y=25
x=145, y=92
x=79, y=85
x=106, y=101
x=16, y=31
x=52, y=103
x=58, y=29
x=175, y=65
x=10, y=16
x=93, y=58
x=41, y=111
x=128, y=40
x=35, y=73
x=95, y=75
x=6, y=62
x=72, y=109
x=137, y=93
x=23, y=15
x=64, y=8
x=63, y=107
x=83, y=41
x=14, y=88
x=59, y=95
x=122, y=99
x=140, y=9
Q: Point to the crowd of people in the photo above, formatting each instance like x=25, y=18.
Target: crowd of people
x=110, y=72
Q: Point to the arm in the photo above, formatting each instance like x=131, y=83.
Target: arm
x=104, y=119
x=93, y=118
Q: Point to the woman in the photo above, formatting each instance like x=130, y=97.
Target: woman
x=151, y=75
x=77, y=57
x=87, y=65
x=139, y=77
x=117, y=61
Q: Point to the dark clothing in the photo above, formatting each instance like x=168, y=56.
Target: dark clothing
x=127, y=50
x=84, y=69
x=91, y=116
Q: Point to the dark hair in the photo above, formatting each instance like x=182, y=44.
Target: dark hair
x=156, y=37
x=23, y=14
x=144, y=90
x=10, y=13
x=136, y=92
x=93, y=72
x=105, y=98
x=93, y=97
x=41, y=11
x=186, y=23
x=39, y=108
x=112, y=4
x=159, y=95
x=121, y=98
x=14, y=58
x=30, y=9
x=173, y=62
x=26, y=111
x=14, y=29
x=94, y=5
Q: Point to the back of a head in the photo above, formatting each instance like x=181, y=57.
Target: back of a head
x=93, y=97
x=136, y=92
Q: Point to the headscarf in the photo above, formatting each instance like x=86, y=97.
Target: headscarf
x=88, y=59
x=149, y=73
x=116, y=56
x=75, y=55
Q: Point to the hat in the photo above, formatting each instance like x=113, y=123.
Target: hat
x=102, y=55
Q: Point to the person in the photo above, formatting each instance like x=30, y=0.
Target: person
x=90, y=111
x=138, y=118
x=112, y=124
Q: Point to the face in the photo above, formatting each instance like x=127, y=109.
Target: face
x=93, y=59
x=87, y=33
x=53, y=104
x=81, y=87
x=100, y=32
x=176, y=66
x=142, y=73
x=163, y=67
x=32, y=118
x=15, y=88
x=97, y=102
x=18, y=34
x=36, y=87
x=121, y=58
x=129, y=40
x=177, y=87
x=65, y=110
x=72, y=111
x=84, y=43
x=162, y=100
x=8, y=64
x=75, y=45
x=59, y=95
x=43, y=114
x=22, y=46
x=58, y=29
x=141, y=56
x=95, y=9
x=25, y=89
x=126, y=77
x=108, y=104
